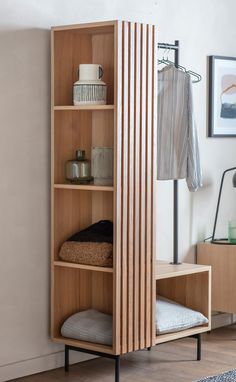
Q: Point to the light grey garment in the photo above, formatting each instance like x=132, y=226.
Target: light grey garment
x=177, y=141
x=173, y=317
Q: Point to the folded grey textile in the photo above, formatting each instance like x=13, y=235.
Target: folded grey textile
x=173, y=317
x=95, y=254
x=90, y=326
x=100, y=232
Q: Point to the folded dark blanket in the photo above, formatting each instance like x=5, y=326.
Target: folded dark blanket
x=100, y=232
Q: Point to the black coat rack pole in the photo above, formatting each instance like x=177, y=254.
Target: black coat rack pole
x=175, y=192
x=174, y=47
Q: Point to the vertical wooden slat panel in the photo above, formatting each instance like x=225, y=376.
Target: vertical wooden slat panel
x=154, y=181
x=137, y=126
x=137, y=224
x=131, y=188
x=117, y=186
x=148, y=184
x=142, y=164
x=52, y=247
x=125, y=63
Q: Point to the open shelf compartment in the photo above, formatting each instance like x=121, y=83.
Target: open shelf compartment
x=77, y=290
x=76, y=210
x=188, y=285
x=85, y=45
x=83, y=130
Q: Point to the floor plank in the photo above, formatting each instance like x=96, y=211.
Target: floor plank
x=173, y=361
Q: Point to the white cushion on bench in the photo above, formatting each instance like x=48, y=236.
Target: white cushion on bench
x=173, y=317
x=89, y=325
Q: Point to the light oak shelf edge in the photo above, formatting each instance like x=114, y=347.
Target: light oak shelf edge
x=84, y=107
x=88, y=187
x=98, y=25
x=83, y=344
x=164, y=269
x=82, y=266
x=183, y=333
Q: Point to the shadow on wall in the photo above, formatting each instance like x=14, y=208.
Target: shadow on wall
x=25, y=69
x=204, y=192
x=25, y=155
x=25, y=95
x=25, y=114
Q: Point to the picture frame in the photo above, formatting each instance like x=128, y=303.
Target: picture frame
x=222, y=96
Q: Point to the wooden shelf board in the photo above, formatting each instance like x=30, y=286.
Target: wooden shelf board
x=83, y=344
x=96, y=27
x=82, y=266
x=166, y=270
x=89, y=187
x=215, y=245
x=84, y=107
x=183, y=333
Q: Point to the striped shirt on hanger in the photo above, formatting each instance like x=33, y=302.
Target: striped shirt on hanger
x=177, y=141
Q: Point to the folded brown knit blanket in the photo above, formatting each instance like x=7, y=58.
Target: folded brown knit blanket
x=91, y=246
x=97, y=254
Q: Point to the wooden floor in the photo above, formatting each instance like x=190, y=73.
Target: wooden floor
x=170, y=362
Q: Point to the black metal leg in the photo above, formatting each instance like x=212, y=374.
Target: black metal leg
x=111, y=356
x=199, y=347
x=149, y=348
x=67, y=362
x=117, y=369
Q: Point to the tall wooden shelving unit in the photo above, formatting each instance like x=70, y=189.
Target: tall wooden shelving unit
x=128, y=53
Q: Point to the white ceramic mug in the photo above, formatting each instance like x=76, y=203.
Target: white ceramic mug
x=90, y=72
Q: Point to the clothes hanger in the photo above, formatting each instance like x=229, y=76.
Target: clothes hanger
x=163, y=60
x=166, y=61
x=196, y=75
x=190, y=72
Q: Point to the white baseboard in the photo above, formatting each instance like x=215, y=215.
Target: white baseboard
x=39, y=365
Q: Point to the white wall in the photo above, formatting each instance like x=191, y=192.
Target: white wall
x=203, y=28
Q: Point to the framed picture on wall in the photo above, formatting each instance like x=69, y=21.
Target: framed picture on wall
x=222, y=96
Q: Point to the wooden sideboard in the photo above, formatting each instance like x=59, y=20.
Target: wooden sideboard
x=222, y=259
